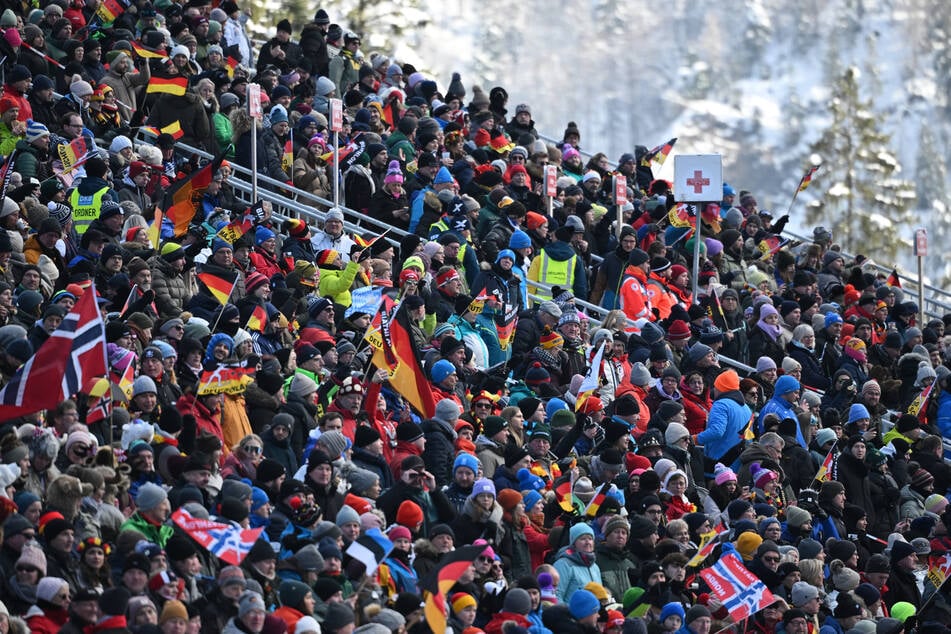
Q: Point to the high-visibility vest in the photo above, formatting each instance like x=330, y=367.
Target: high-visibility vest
x=85, y=208
x=555, y=273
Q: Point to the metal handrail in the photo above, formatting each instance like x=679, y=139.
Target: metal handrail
x=911, y=291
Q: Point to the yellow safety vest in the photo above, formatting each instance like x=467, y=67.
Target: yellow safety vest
x=85, y=208
x=555, y=273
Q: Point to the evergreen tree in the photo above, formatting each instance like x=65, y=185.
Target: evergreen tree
x=868, y=205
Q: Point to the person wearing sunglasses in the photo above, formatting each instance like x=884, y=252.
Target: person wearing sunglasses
x=81, y=448
x=244, y=458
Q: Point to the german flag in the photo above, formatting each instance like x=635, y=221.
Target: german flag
x=155, y=229
x=234, y=230
x=591, y=510
x=807, y=178
x=73, y=153
x=175, y=129
x=287, y=159
x=258, y=320
x=659, y=153
x=127, y=379
x=109, y=10
x=168, y=85
x=180, y=202
x=219, y=287
x=147, y=53
x=393, y=351
x=230, y=65
x=893, y=280
x=563, y=491
x=435, y=587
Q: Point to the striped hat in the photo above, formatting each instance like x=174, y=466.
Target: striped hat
x=35, y=130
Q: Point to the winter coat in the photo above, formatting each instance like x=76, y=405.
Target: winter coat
x=490, y=454
x=304, y=414
x=262, y=407
x=812, y=373
x=435, y=505
x=335, y=284
x=853, y=474
x=912, y=503
x=560, y=251
x=273, y=153
x=616, y=566
x=126, y=86
x=279, y=451
x=207, y=421
x=576, y=571
x=189, y=112
x=761, y=345
x=723, y=437
x=31, y=162
x=172, y=289
x=902, y=586
x=375, y=464
x=440, y=450
x=155, y=534
x=475, y=523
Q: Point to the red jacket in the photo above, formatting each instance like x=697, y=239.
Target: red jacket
x=403, y=450
x=207, y=421
x=499, y=618
x=48, y=622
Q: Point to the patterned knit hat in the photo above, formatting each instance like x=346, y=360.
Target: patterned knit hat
x=35, y=130
x=327, y=256
x=550, y=340
x=723, y=474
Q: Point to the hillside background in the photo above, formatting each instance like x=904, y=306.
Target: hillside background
x=860, y=86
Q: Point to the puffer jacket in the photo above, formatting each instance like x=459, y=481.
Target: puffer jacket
x=912, y=503
x=172, y=289
x=576, y=571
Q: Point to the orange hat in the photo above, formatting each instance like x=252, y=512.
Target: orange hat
x=508, y=498
x=728, y=381
x=591, y=405
x=409, y=514
x=357, y=503
x=534, y=220
x=615, y=619
x=550, y=339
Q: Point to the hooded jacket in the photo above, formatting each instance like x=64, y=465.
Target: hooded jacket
x=576, y=571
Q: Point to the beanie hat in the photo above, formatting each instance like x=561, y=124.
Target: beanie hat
x=35, y=130
x=615, y=523
x=809, y=548
x=408, y=432
x=583, y=604
x=150, y=495
x=517, y=600
x=723, y=474
x=579, y=530
x=482, y=486
x=802, y=593
x=641, y=527
x=249, y=602
x=696, y=612
x=47, y=588
x=466, y=460
x=347, y=515
x=32, y=556
x=900, y=550
x=409, y=514
x=762, y=477
x=674, y=433
x=399, y=532
x=765, y=363
x=844, y=579
x=302, y=385
x=173, y=610
x=673, y=608
x=462, y=600
x=747, y=544
x=728, y=381
x=530, y=499
x=846, y=606
x=797, y=516
x=441, y=370
x=292, y=593
x=921, y=479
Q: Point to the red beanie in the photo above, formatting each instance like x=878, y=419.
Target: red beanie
x=409, y=514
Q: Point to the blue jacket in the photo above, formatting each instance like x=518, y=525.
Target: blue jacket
x=782, y=409
x=726, y=423
x=944, y=414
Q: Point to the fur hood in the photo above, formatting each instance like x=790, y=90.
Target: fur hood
x=65, y=493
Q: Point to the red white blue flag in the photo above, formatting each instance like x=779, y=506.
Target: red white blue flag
x=739, y=590
x=74, y=352
x=228, y=542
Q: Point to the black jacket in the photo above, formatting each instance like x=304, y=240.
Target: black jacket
x=440, y=450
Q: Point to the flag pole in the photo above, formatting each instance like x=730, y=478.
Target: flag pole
x=220, y=312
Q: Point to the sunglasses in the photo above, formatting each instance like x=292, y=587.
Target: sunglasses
x=253, y=449
x=27, y=569
x=771, y=560
x=486, y=560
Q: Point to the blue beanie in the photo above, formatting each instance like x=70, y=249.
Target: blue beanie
x=24, y=499
x=579, y=530
x=583, y=603
x=505, y=253
x=528, y=481
x=786, y=384
x=218, y=244
x=442, y=176
x=258, y=498
x=832, y=317
x=441, y=369
x=262, y=234
x=728, y=190
x=857, y=412
x=519, y=240
x=466, y=460
x=672, y=609
x=553, y=406
x=531, y=499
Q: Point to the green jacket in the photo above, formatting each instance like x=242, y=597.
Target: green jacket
x=397, y=141
x=27, y=160
x=8, y=140
x=336, y=284
x=155, y=534
x=488, y=216
x=222, y=133
x=614, y=566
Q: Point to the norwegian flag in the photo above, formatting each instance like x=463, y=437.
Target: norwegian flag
x=739, y=590
x=228, y=542
x=74, y=352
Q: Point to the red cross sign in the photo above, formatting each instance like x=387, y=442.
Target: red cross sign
x=698, y=178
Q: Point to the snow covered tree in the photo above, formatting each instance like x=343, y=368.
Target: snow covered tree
x=866, y=204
